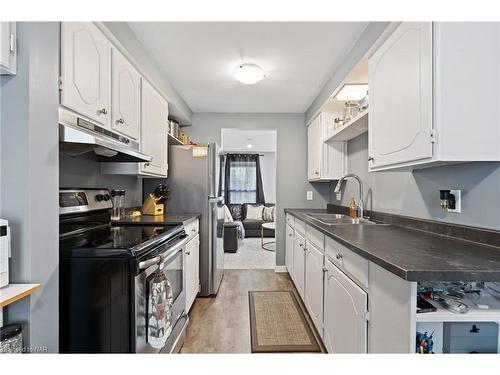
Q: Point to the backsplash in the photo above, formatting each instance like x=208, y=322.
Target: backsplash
x=416, y=193
x=84, y=171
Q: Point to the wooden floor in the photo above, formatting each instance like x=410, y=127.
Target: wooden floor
x=222, y=324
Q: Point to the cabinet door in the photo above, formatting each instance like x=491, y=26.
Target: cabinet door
x=345, y=325
x=192, y=270
x=314, y=149
x=125, y=97
x=289, y=249
x=154, y=130
x=313, y=295
x=298, y=263
x=86, y=71
x=8, y=48
x=400, y=80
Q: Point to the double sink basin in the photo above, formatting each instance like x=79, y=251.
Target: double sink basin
x=338, y=219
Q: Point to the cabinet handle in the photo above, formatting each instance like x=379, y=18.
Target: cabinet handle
x=120, y=121
x=370, y=158
x=188, y=252
x=338, y=256
x=193, y=230
x=325, y=270
x=289, y=235
x=316, y=173
x=301, y=245
x=103, y=111
x=146, y=164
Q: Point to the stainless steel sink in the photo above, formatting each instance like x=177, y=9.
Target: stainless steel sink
x=338, y=219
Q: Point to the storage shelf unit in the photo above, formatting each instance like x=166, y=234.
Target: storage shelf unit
x=473, y=315
x=357, y=126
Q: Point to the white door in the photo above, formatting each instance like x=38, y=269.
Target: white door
x=346, y=306
x=7, y=48
x=298, y=263
x=125, y=97
x=86, y=71
x=313, y=295
x=289, y=249
x=400, y=81
x=154, y=130
x=192, y=270
x=314, y=149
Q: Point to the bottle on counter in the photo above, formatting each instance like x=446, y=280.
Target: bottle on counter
x=115, y=199
x=122, y=204
x=353, y=209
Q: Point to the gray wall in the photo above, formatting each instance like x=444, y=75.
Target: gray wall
x=29, y=190
x=84, y=171
x=291, y=159
x=417, y=193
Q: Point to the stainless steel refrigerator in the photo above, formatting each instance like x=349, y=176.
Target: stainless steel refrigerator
x=193, y=179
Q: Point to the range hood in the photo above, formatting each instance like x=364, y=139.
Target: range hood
x=78, y=136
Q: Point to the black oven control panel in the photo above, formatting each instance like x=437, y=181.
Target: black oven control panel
x=83, y=200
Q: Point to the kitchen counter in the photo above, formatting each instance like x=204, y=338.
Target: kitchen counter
x=167, y=218
x=413, y=255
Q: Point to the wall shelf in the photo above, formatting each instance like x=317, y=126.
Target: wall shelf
x=13, y=292
x=173, y=141
x=357, y=126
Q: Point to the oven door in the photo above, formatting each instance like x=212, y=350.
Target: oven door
x=160, y=296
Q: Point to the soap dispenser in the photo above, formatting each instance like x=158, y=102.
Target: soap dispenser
x=353, y=209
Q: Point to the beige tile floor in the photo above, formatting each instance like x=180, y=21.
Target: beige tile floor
x=222, y=324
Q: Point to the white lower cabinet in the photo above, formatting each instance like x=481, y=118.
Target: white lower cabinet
x=313, y=293
x=345, y=313
x=298, y=263
x=192, y=270
x=290, y=237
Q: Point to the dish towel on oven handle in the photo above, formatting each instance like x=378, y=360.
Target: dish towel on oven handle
x=160, y=300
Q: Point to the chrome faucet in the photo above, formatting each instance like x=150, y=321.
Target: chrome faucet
x=339, y=194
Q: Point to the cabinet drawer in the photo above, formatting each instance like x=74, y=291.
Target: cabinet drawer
x=347, y=260
x=192, y=228
x=300, y=226
x=290, y=220
x=315, y=237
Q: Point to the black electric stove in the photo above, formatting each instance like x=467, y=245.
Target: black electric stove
x=104, y=274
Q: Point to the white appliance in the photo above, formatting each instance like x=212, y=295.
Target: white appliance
x=4, y=252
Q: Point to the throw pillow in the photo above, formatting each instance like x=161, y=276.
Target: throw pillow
x=268, y=214
x=254, y=212
x=227, y=215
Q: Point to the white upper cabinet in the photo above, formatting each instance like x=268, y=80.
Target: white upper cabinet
x=86, y=71
x=313, y=294
x=400, y=82
x=154, y=131
x=126, y=96
x=429, y=84
x=8, y=60
x=325, y=161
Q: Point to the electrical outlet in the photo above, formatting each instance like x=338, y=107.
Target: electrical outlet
x=458, y=201
x=309, y=195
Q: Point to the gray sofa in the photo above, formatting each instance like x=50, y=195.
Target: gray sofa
x=252, y=227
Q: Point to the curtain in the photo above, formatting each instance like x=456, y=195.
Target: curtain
x=243, y=179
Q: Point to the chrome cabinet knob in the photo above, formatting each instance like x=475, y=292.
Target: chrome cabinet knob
x=146, y=164
x=370, y=158
x=301, y=245
x=103, y=111
x=316, y=173
x=120, y=121
x=193, y=230
x=338, y=256
x=188, y=252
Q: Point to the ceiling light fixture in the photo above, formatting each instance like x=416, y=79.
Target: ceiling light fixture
x=248, y=74
x=352, y=92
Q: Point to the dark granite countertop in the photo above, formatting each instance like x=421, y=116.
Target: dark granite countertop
x=167, y=218
x=413, y=255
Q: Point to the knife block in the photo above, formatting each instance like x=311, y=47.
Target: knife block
x=150, y=207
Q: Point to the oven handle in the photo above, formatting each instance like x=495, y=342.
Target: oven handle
x=162, y=258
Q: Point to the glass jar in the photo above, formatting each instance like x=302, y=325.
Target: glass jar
x=115, y=200
x=351, y=109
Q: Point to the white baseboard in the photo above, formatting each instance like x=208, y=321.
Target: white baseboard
x=280, y=269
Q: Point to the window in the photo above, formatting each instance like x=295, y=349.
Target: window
x=243, y=182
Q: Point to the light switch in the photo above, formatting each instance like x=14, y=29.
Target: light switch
x=309, y=195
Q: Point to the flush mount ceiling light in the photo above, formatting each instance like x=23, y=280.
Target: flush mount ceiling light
x=248, y=74
x=352, y=92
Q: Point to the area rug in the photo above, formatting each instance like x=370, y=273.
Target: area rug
x=278, y=324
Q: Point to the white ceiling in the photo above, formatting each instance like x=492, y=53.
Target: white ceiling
x=198, y=59
x=237, y=140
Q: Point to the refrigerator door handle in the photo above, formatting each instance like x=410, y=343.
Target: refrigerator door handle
x=215, y=199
